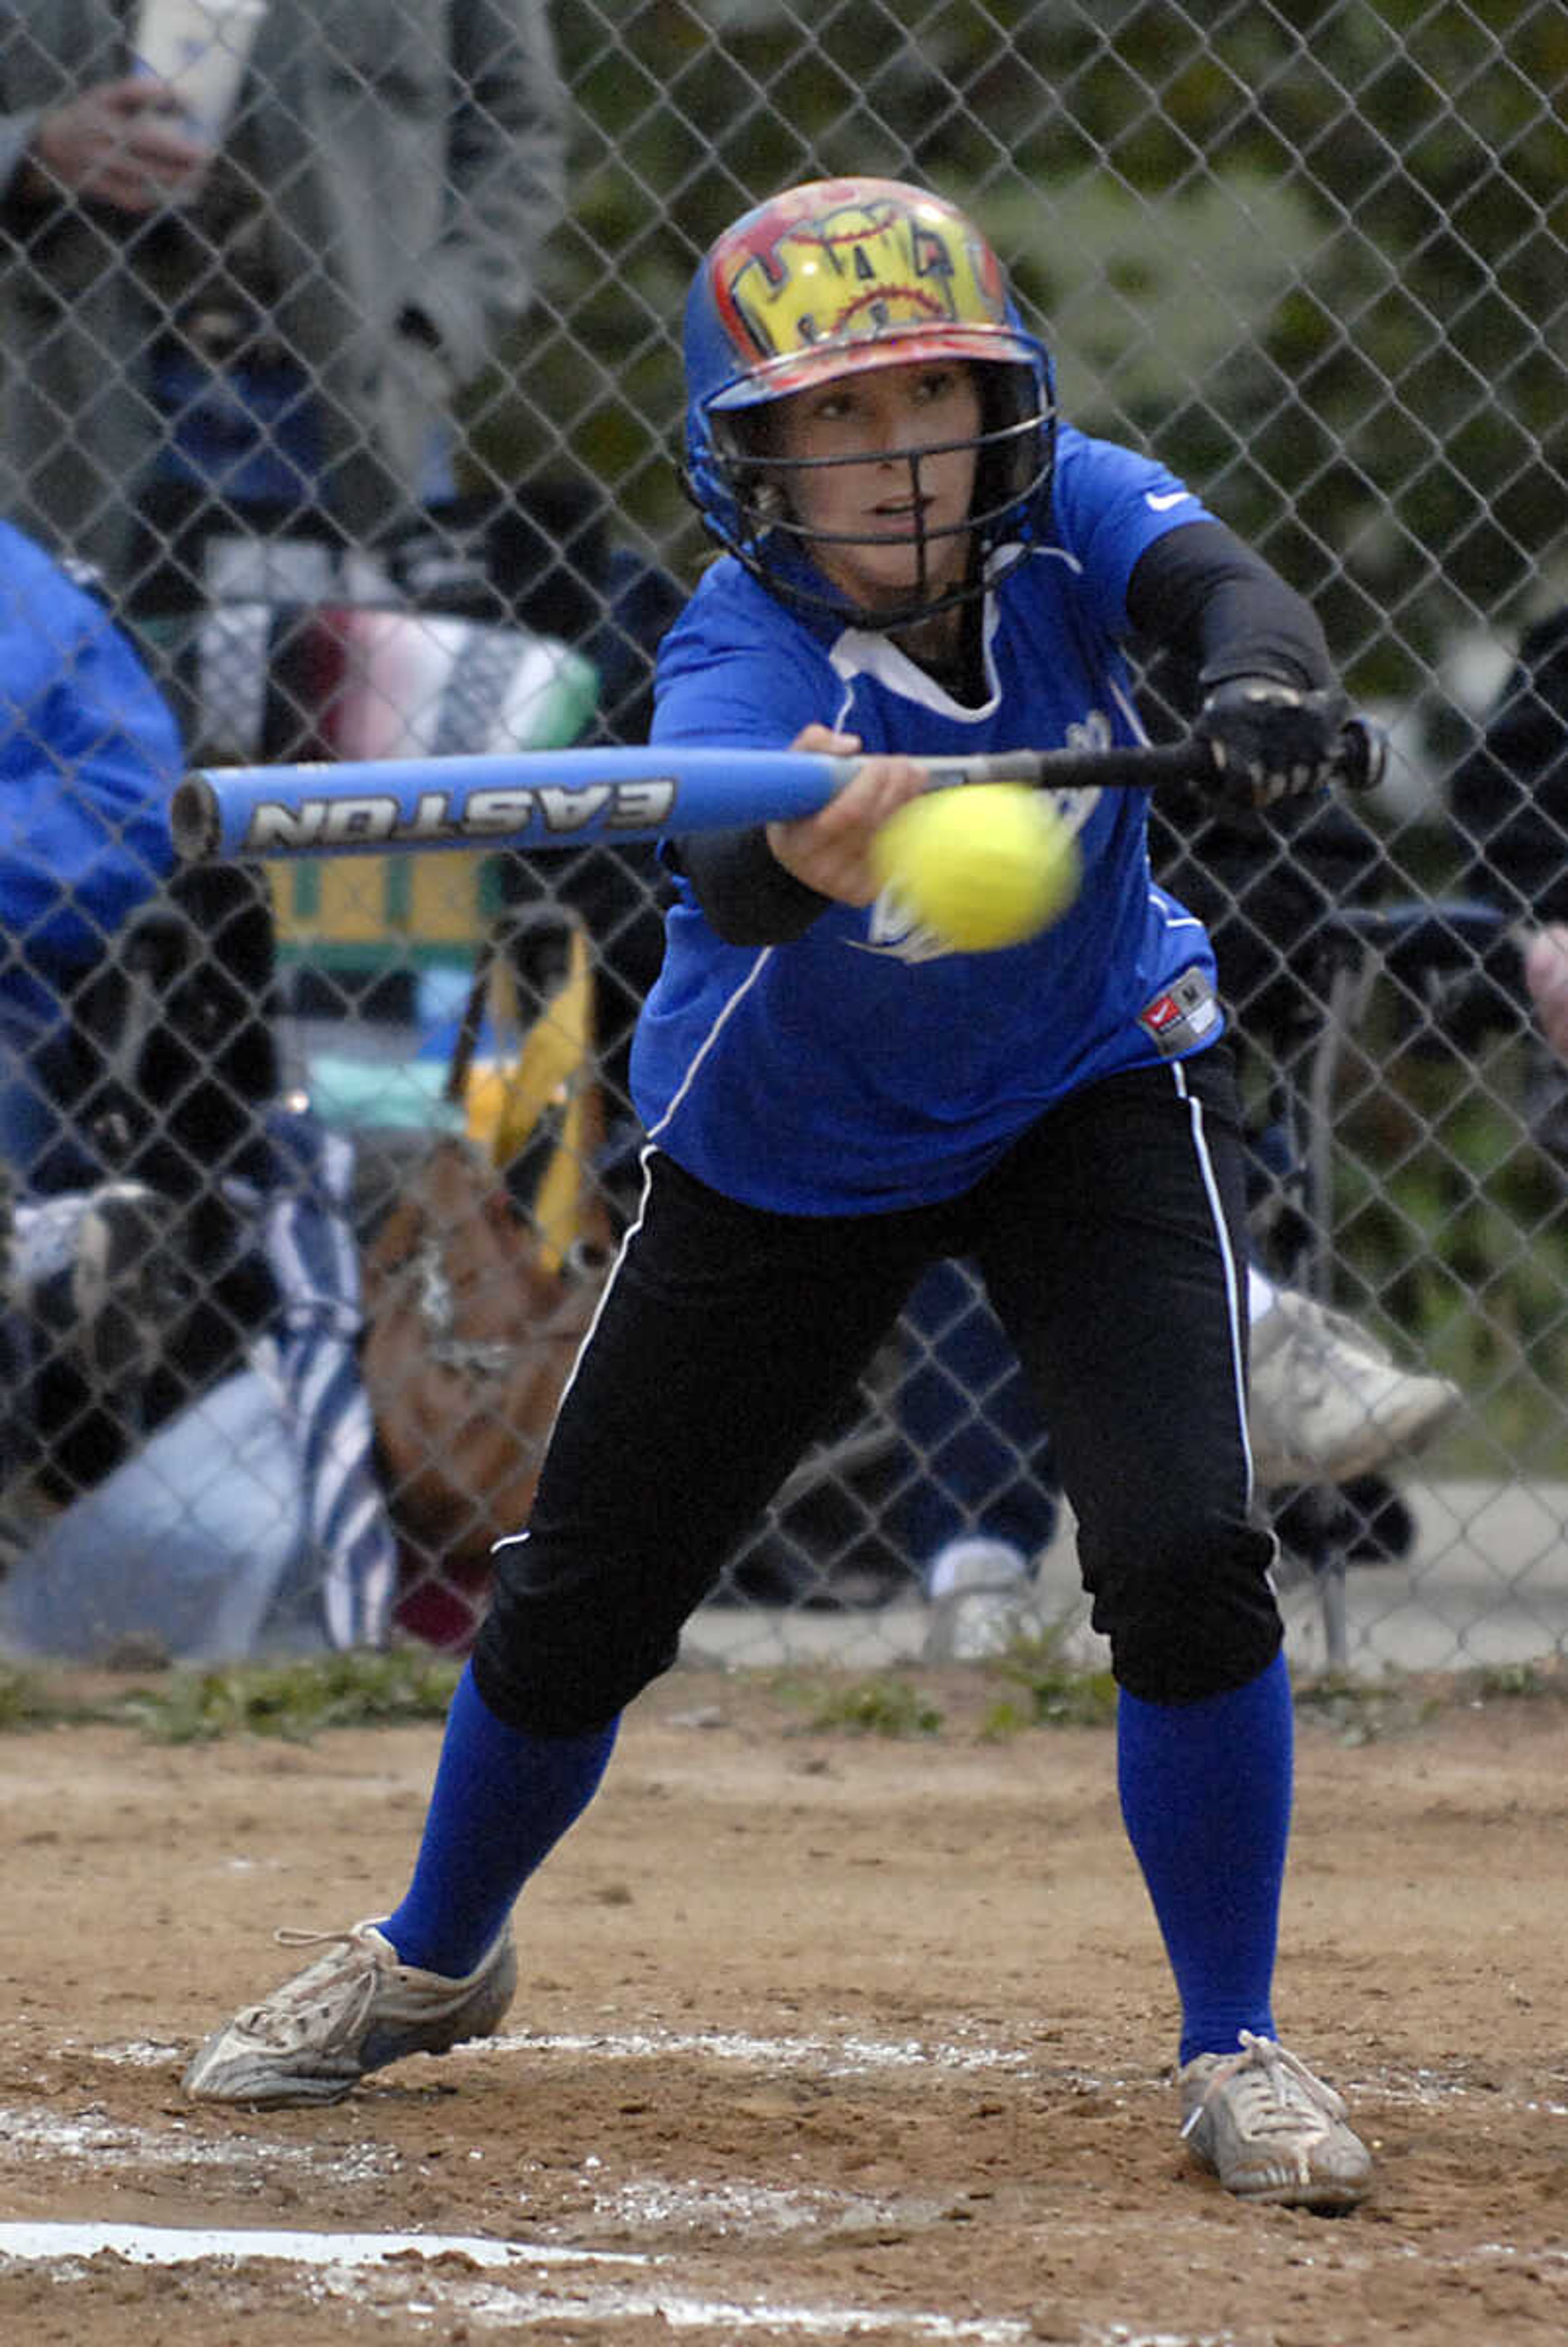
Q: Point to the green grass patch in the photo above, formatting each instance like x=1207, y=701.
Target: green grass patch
x=292, y=1700
x=1366, y=1711
x=1546, y=1678
x=296, y=1700
x=25, y=1702
x=874, y=1706
x=1371, y=1711
x=1047, y=1691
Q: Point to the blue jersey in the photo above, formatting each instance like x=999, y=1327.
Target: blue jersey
x=88, y=755
x=862, y=1066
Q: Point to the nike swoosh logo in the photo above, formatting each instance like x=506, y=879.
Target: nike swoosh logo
x=1162, y=502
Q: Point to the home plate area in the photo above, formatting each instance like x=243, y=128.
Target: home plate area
x=819, y=2037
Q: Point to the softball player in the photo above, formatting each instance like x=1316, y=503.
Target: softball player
x=920, y=559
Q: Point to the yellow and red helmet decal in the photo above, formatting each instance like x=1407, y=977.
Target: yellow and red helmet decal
x=843, y=274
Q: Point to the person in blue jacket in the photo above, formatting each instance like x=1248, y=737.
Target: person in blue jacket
x=89, y=753
x=920, y=558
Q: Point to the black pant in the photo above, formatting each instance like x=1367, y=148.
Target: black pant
x=1112, y=1242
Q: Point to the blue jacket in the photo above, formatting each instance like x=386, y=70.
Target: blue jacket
x=89, y=753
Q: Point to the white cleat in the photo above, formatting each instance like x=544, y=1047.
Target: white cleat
x=353, y=2010
x=1269, y=2130
x=1327, y=1403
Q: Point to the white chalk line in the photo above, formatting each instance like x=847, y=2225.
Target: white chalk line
x=347, y=2255
x=90, y=2140
x=851, y=2057
x=101, y=2143
x=828, y=2057
x=341, y=2261
x=43, y=2241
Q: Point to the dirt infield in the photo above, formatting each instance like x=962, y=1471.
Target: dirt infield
x=819, y=2038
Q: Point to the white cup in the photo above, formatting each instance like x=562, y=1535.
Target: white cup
x=200, y=47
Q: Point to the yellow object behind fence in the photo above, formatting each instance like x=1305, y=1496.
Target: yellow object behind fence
x=542, y=1080
x=412, y=906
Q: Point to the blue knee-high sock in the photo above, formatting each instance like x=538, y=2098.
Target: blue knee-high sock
x=1205, y=1797
x=501, y=1801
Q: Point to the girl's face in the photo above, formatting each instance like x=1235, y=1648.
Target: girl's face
x=891, y=522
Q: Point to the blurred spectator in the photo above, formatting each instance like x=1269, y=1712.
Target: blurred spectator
x=1508, y=798
x=170, y=1234
x=88, y=753
x=288, y=320
x=134, y=1047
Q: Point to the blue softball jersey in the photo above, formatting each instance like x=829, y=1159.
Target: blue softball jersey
x=862, y=1066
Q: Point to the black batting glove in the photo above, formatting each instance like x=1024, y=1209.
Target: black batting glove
x=1269, y=741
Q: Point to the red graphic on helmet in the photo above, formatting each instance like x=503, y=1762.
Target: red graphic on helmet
x=856, y=263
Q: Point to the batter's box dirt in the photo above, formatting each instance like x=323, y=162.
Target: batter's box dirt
x=819, y=2037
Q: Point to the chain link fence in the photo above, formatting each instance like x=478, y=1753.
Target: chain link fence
x=1318, y=259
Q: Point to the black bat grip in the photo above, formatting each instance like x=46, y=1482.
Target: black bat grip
x=1360, y=765
x=1144, y=766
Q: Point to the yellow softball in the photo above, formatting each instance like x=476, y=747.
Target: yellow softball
x=982, y=865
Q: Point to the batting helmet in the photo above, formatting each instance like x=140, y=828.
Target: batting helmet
x=832, y=278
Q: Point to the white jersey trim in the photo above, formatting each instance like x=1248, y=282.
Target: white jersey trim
x=1174, y=915
x=711, y=1038
x=1235, y=1307
x=861, y=651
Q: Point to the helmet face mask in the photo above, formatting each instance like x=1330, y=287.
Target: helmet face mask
x=830, y=281
x=771, y=537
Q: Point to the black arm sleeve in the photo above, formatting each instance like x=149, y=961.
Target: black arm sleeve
x=747, y=895
x=1205, y=596
x=1199, y=592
